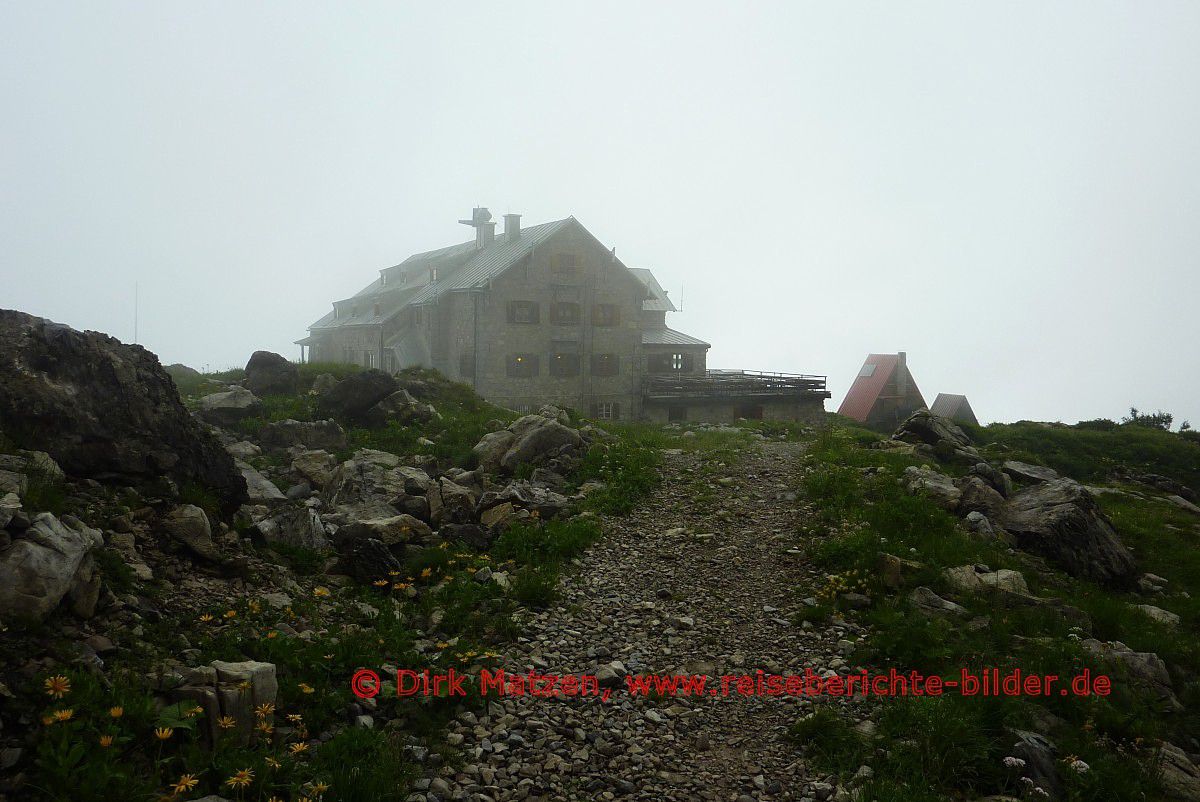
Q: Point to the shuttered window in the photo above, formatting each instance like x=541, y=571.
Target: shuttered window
x=523, y=312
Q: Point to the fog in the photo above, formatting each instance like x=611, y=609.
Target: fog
x=1010, y=194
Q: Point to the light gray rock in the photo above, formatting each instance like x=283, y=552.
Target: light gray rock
x=229, y=407
x=326, y=435
x=259, y=488
x=1024, y=472
x=189, y=525
x=937, y=486
x=41, y=566
x=930, y=603
x=968, y=579
x=1179, y=776
x=1159, y=615
x=537, y=438
x=295, y=525
x=1143, y=669
x=315, y=466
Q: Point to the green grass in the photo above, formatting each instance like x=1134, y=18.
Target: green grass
x=953, y=745
x=1090, y=455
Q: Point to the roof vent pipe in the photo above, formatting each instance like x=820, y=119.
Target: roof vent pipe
x=512, y=226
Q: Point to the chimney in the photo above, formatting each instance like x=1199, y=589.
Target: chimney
x=485, y=230
x=512, y=226
x=485, y=235
x=902, y=374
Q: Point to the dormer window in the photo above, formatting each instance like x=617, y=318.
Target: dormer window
x=375, y=310
x=432, y=274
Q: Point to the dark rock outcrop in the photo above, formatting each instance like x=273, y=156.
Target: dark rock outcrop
x=326, y=435
x=942, y=435
x=103, y=409
x=1061, y=521
x=353, y=397
x=268, y=373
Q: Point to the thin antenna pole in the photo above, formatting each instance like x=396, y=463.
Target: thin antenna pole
x=681, y=296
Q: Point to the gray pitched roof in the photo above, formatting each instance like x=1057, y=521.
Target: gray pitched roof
x=490, y=262
x=658, y=300
x=953, y=406
x=661, y=335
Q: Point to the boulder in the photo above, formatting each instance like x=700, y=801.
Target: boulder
x=980, y=525
x=1159, y=615
x=326, y=435
x=491, y=448
x=189, y=525
x=367, y=560
x=937, y=486
x=227, y=408
x=232, y=690
x=315, y=466
x=1059, y=520
x=295, y=525
x=999, y=481
x=41, y=566
x=10, y=505
x=895, y=572
x=528, y=496
x=972, y=579
x=979, y=496
x=104, y=410
x=353, y=397
x=1040, y=756
x=498, y=517
x=946, y=439
x=1183, y=504
x=1178, y=775
x=400, y=407
x=472, y=535
x=537, y=439
x=396, y=530
x=1024, y=472
x=268, y=373
x=259, y=489
x=324, y=383
x=930, y=603
x=450, y=503
x=1144, y=670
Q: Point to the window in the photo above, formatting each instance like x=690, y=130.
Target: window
x=605, y=364
x=670, y=363
x=522, y=366
x=523, y=312
x=676, y=414
x=606, y=410
x=605, y=315
x=375, y=310
x=564, y=365
x=564, y=264
x=432, y=274
x=564, y=313
x=466, y=365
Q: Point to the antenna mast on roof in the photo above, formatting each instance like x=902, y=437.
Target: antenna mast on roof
x=681, y=296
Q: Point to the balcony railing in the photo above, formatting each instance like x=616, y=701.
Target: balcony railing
x=734, y=384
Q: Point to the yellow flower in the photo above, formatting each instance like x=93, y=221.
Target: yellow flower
x=297, y=748
x=319, y=788
x=274, y=799
x=273, y=763
x=195, y=711
x=379, y=583
x=272, y=635
x=393, y=573
x=444, y=545
x=47, y=720
x=306, y=688
x=295, y=718
x=227, y=722
x=448, y=577
x=58, y=687
x=207, y=618
x=425, y=574
x=265, y=727
x=106, y=741
x=163, y=733
x=116, y=712
x=244, y=685
x=186, y=783
x=321, y=592
x=231, y=613
x=63, y=715
x=254, y=606
x=241, y=780
x=443, y=645
x=264, y=710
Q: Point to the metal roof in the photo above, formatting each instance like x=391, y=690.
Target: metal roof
x=661, y=335
x=488, y=263
x=870, y=383
x=658, y=302
x=953, y=406
x=361, y=310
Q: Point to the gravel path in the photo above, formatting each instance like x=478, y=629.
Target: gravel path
x=701, y=578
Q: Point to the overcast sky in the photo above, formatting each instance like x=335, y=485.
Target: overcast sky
x=1010, y=192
